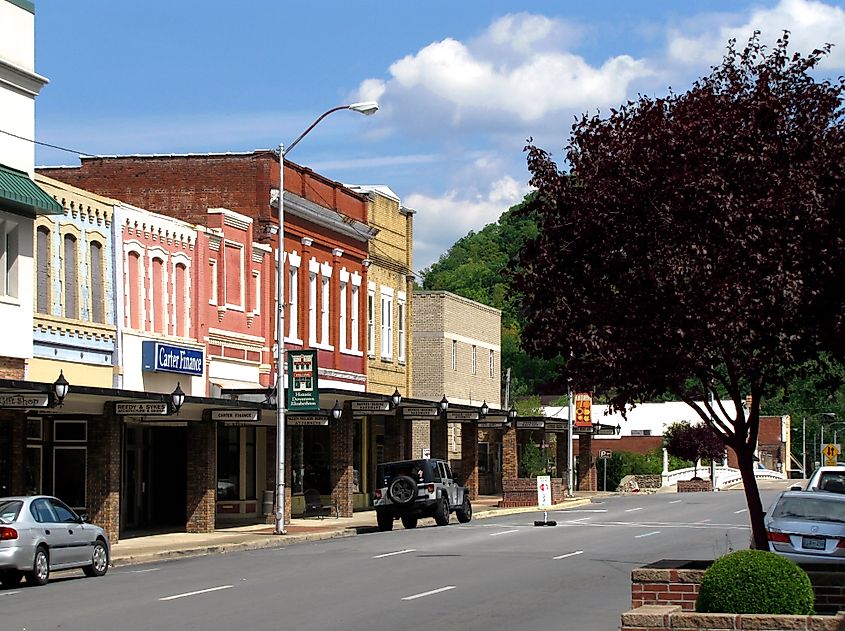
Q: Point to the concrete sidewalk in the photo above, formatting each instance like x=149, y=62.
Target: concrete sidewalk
x=151, y=548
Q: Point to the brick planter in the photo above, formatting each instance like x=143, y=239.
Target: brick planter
x=673, y=617
x=694, y=486
x=523, y=492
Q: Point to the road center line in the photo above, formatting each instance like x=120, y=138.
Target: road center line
x=575, y=521
x=585, y=510
x=631, y=510
x=390, y=554
x=742, y=510
x=675, y=501
x=200, y=591
x=152, y=569
x=648, y=534
x=571, y=554
x=431, y=593
x=504, y=532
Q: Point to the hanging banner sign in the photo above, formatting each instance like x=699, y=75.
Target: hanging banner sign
x=583, y=409
x=530, y=424
x=142, y=408
x=420, y=412
x=557, y=426
x=235, y=416
x=299, y=420
x=24, y=400
x=302, y=392
x=461, y=417
x=369, y=406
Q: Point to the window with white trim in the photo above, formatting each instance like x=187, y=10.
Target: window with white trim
x=400, y=325
x=454, y=354
x=386, y=323
x=354, y=318
x=95, y=271
x=293, y=303
x=212, y=271
x=324, y=312
x=371, y=322
x=492, y=363
x=44, y=291
x=343, y=316
x=474, y=358
x=256, y=279
x=312, y=309
x=71, y=276
x=9, y=252
x=233, y=271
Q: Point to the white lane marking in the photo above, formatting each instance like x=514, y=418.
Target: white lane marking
x=390, y=554
x=631, y=510
x=585, y=510
x=200, y=591
x=431, y=593
x=571, y=554
x=648, y=534
x=675, y=501
x=9, y=593
x=742, y=510
x=152, y=569
x=575, y=521
x=504, y=532
x=703, y=521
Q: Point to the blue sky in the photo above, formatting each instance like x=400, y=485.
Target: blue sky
x=461, y=84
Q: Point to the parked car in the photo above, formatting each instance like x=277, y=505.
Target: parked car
x=827, y=479
x=808, y=526
x=39, y=534
x=410, y=489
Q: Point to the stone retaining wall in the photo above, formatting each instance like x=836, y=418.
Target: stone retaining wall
x=674, y=618
x=694, y=486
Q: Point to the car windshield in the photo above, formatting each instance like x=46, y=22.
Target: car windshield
x=9, y=510
x=809, y=509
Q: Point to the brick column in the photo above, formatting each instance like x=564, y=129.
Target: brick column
x=562, y=458
x=510, y=459
x=341, y=434
x=417, y=437
x=17, y=427
x=439, y=438
x=104, y=460
x=469, y=457
x=586, y=467
x=202, y=476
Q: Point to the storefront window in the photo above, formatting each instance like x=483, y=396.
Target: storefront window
x=32, y=469
x=483, y=458
x=69, y=475
x=228, y=463
x=310, y=459
x=357, y=471
x=5, y=464
x=249, y=460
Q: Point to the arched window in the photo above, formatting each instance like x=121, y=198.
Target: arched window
x=71, y=277
x=158, y=301
x=180, y=327
x=136, y=292
x=98, y=303
x=42, y=266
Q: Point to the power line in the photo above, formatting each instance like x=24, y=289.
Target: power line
x=46, y=144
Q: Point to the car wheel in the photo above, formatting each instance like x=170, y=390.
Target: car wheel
x=99, y=560
x=402, y=489
x=409, y=521
x=385, y=521
x=441, y=515
x=464, y=513
x=10, y=578
x=40, y=573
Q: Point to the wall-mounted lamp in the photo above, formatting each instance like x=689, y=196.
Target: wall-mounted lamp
x=444, y=404
x=60, y=388
x=484, y=408
x=396, y=398
x=511, y=414
x=337, y=411
x=177, y=398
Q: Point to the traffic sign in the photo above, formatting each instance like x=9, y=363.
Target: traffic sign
x=830, y=452
x=604, y=454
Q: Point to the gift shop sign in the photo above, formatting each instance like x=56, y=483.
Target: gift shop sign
x=24, y=400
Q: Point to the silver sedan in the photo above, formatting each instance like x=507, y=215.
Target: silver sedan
x=808, y=526
x=41, y=533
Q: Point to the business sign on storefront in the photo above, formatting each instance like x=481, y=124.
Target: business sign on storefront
x=557, y=426
x=141, y=408
x=369, y=406
x=420, y=411
x=491, y=425
x=583, y=410
x=24, y=400
x=530, y=424
x=454, y=416
x=235, y=416
x=307, y=419
x=160, y=357
x=303, y=395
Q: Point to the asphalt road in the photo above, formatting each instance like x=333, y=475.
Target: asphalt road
x=501, y=573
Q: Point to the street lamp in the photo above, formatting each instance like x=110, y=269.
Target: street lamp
x=804, y=439
x=337, y=411
x=60, y=388
x=177, y=398
x=395, y=398
x=367, y=108
x=484, y=408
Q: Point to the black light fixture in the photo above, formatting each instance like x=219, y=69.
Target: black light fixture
x=396, y=398
x=177, y=398
x=484, y=408
x=337, y=411
x=512, y=413
x=444, y=404
x=60, y=388
x=618, y=429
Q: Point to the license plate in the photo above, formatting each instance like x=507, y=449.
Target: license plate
x=813, y=543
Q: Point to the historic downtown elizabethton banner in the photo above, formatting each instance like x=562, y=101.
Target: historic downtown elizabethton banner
x=302, y=391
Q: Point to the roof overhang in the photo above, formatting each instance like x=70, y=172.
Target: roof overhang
x=21, y=196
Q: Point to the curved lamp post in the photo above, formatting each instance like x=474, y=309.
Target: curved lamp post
x=368, y=108
x=804, y=439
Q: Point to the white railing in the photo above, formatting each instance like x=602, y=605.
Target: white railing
x=725, y=476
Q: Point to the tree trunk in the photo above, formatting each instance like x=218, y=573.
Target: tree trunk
x=745, y=457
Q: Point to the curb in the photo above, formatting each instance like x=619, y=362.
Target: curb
x=274, y=541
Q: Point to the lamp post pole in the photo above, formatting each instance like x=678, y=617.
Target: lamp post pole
x=367, y=108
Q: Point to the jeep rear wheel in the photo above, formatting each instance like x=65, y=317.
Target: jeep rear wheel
x=441, y=515
x=402, y=489
x=464, y=513
x=385, y=520
x=409, y=521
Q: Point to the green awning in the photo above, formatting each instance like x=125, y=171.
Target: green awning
x=21, y=196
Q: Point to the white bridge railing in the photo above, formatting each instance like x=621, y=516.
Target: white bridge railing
x=725, y=476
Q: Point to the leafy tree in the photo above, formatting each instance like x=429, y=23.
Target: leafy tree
x=532, y=463
x=693, y=442
x=695, y=244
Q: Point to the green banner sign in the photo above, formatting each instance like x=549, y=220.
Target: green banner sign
x=302, y=392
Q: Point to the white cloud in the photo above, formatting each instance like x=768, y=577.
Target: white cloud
x=811, y=24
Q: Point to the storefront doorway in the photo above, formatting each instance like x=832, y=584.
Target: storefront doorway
x=154, y=485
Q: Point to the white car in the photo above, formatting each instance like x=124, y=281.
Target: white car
x=827, y=479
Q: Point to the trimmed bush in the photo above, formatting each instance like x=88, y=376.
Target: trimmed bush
x=755, y=581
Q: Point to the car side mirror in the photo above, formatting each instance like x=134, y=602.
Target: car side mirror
x=83, y=518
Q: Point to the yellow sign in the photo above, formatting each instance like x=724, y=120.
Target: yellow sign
x=583, y=414
x=830, y=452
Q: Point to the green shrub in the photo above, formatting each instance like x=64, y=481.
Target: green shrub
x=755, y=581
x=532, y=462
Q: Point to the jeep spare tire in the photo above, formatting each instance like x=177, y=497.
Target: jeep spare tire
x=402, y=489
